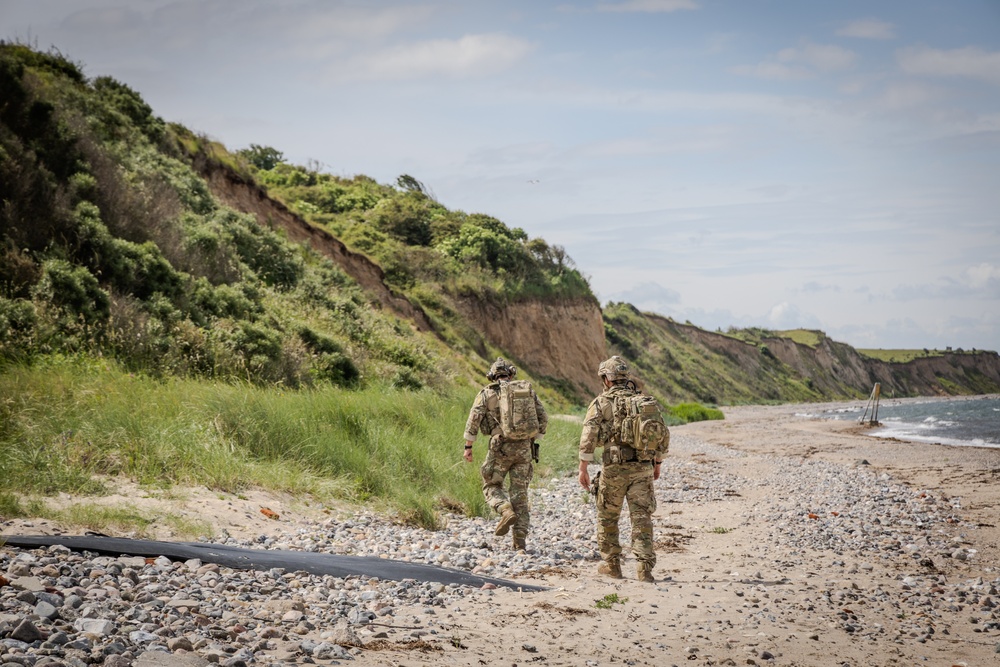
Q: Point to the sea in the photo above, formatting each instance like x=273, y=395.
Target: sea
x=961, y=422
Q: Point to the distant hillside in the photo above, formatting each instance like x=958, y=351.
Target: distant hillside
x=681, y=361
x=126, y=237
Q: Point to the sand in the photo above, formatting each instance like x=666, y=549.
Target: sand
x=718, y=580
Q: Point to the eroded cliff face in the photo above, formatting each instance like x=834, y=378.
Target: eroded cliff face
x=684, y=362
x=836, y=369
x=561, y=340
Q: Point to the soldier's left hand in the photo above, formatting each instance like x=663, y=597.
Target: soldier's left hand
x=656, y=470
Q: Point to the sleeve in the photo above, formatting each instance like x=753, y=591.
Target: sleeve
x=664, y=447
x=590, y=438
x=477, y=416
x=543, y=417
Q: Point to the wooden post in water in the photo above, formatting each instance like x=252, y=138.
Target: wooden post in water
x=872, y=406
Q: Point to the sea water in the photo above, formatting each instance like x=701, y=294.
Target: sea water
x=968, y=422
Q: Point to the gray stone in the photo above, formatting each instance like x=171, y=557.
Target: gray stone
x=45, y=610
x=27, y=632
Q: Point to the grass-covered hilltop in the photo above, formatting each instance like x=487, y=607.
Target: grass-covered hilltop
x=174, y=313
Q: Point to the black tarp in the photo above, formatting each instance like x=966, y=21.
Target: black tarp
x=264, y=559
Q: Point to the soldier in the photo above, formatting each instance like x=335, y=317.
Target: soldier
x=507, y=456
x=627, y=473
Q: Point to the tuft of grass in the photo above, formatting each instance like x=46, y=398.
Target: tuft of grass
x=609, y=600
x=720, y=530
x=695, y=412
x=10, y=506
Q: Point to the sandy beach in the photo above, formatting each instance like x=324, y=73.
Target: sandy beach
x=731, y=592
x=781, y=540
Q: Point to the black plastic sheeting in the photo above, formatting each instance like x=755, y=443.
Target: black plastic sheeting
x=264, y=559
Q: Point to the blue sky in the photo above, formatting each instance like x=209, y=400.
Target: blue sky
x=775, y=163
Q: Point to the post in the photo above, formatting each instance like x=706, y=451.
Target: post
x=872, y=405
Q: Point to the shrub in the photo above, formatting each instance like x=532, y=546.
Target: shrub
x=231, y=301
x=695, y=412
x=17, y=322
x=405, y=218
x=73, y=290
x=256, y=347
x=141, y=270
x=274, y=260
x=485, y=248
x=131, y=105
x=262, y=157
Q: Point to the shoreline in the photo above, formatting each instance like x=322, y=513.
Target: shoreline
x=844, y=407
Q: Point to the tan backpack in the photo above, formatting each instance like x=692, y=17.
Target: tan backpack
x=518, y=418
x=638, y=423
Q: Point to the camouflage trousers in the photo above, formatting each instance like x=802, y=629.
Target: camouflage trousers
x=511, y=459
x=632, y=482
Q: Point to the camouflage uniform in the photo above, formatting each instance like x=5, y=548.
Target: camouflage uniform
x=622, y=478
x=505, y=457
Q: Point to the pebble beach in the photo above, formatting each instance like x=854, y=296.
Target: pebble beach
x=780, y=541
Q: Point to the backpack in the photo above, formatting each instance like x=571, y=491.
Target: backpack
x=518, y=419
x=639, y=424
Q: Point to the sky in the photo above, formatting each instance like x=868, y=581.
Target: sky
x=732, y=163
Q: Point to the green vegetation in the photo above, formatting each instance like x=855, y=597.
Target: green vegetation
x=899, y=356
x=609, y=600
x=419, y=242
x=74, y=426
x=721, y=530
x=694, y=412
x=807, y=337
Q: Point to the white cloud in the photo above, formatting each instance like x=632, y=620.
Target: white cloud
x=982, y=274
x=787, y=315
x=468, y=56
x=772, y=70
x=824, y=57
x=969, y=62
x=649, y=6
x=649, y=296
x=801, y=62
x=815, y=287
x=906, y=96
x=868, y=29
x=698, y=140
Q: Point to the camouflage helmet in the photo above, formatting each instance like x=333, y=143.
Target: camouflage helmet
x=501, y=367
x=614, y=369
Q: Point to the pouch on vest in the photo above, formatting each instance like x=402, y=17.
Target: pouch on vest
x=518, y=418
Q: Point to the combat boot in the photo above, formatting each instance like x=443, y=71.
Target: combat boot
x=644, y=572
x=611, y=567
x=519, y=543
x=507, y=519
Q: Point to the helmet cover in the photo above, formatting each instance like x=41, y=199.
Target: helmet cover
x=614, y=369
x=501, y=368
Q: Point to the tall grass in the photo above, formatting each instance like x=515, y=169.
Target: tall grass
x=71, y=426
